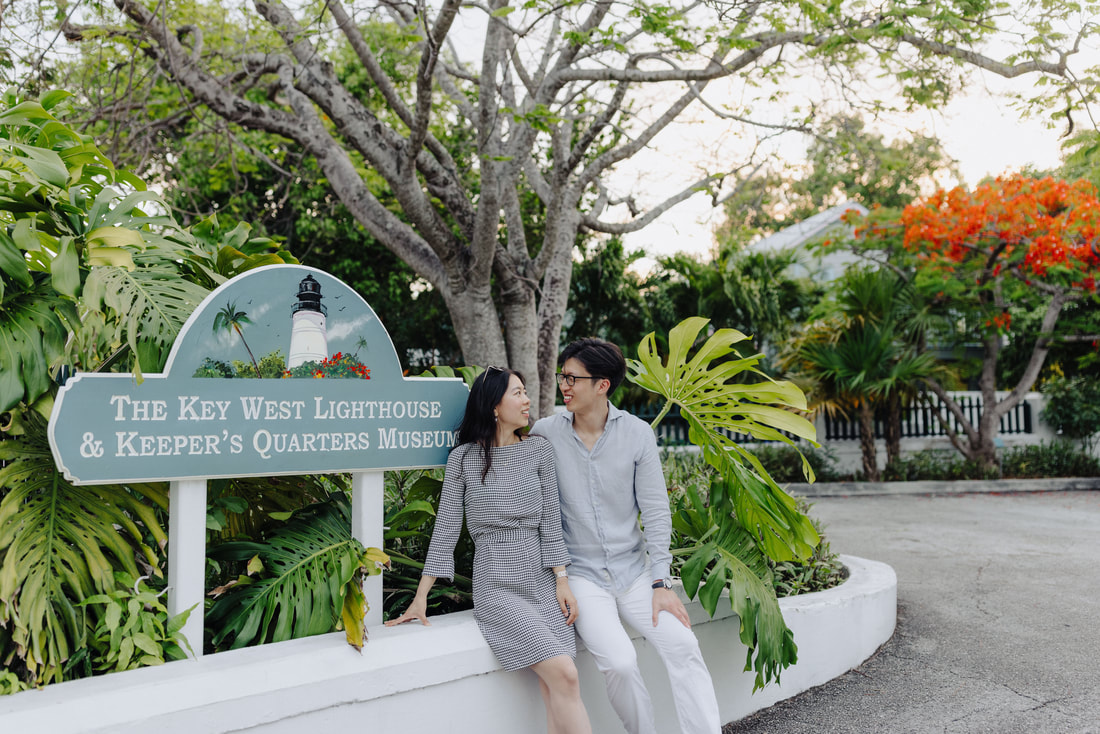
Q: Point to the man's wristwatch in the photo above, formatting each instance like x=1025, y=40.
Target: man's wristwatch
x=663, y=584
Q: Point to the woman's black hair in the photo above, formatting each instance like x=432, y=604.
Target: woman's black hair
x=479, y=424
x=601, y=358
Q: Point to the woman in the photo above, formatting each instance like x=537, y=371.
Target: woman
x=505, y=482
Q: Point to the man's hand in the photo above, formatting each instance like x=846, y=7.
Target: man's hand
x=667, y=601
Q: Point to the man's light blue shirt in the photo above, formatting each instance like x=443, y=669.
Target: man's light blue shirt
x=603, y=491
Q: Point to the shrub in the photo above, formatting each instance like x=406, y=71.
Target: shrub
x=934, y=466
x=1055, y=459
x=1073, y=408
x=785, y=465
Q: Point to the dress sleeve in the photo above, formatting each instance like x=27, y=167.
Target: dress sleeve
x=651, y=494
x=448, y=519
x=554, y=552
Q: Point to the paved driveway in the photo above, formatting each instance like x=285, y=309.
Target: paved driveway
x=998, y=618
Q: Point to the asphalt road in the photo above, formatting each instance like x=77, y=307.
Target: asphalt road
x=998, y=618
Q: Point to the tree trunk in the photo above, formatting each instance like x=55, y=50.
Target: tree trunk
x=893, y=428
x=555, y=297
x=867, y=441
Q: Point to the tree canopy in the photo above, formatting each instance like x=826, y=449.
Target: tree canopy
x=975, y=254
x=546, y=99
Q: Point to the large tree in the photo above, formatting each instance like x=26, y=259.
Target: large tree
x=551, y=95
x=975, y=256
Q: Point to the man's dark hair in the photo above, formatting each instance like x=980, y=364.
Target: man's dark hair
x=601, y=359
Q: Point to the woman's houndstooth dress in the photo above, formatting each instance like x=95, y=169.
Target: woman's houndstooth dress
x=514, y=520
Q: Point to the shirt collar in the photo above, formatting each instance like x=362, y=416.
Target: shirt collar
x=613, y=413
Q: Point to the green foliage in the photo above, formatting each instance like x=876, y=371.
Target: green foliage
x=93, y=274
x=304, y=578
x=935, y=466
x=725, y=554
x=697, y=534
x=606, y=299
x=823, y=570
x=59, y=546
x=133, y=629
x=410, y=505
x=468, y=373
x=784, y=463
x=1054, y=459
x=753, y=292
x=1073, y=408
x=746, y=518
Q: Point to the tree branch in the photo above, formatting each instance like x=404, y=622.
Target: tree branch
x=637, y=224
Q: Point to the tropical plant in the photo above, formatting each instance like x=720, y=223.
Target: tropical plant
x=303, y=578
x=93, y=276
x=61, y=545
x=862, y=355
x=973, y=255
x=410, y=517
x=134, y=629
x=747, y=518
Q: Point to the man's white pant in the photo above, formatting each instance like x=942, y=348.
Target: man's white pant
x=598, y=623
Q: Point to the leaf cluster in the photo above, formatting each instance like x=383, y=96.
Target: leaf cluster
x=304, y=577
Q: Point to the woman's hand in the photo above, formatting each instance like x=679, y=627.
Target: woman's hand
x=418, y=609
x=566, y=600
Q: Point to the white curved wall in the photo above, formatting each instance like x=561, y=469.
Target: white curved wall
x=442, y=678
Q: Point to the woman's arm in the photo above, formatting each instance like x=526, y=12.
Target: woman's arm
x=554, y=553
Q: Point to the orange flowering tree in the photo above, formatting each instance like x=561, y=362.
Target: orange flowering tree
x=978, y=253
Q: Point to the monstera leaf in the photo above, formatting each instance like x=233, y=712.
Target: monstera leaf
x=33, y=329
x=747, y=515
x=714, y=407
x=60, y=544
x=308, y=580
x=726, y=556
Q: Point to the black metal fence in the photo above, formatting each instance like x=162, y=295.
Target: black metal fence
x=917, y=421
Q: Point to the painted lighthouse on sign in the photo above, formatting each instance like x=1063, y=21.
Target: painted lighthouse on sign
x=308, y=332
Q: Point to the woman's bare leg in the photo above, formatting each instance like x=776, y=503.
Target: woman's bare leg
x=561, y=691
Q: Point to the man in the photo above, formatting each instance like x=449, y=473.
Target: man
x=609, y=472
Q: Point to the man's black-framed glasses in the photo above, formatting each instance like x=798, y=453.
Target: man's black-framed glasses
x=571, y=380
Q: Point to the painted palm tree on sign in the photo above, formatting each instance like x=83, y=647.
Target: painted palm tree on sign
x=230, y=319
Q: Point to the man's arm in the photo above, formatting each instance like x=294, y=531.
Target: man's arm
x=651, y=494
